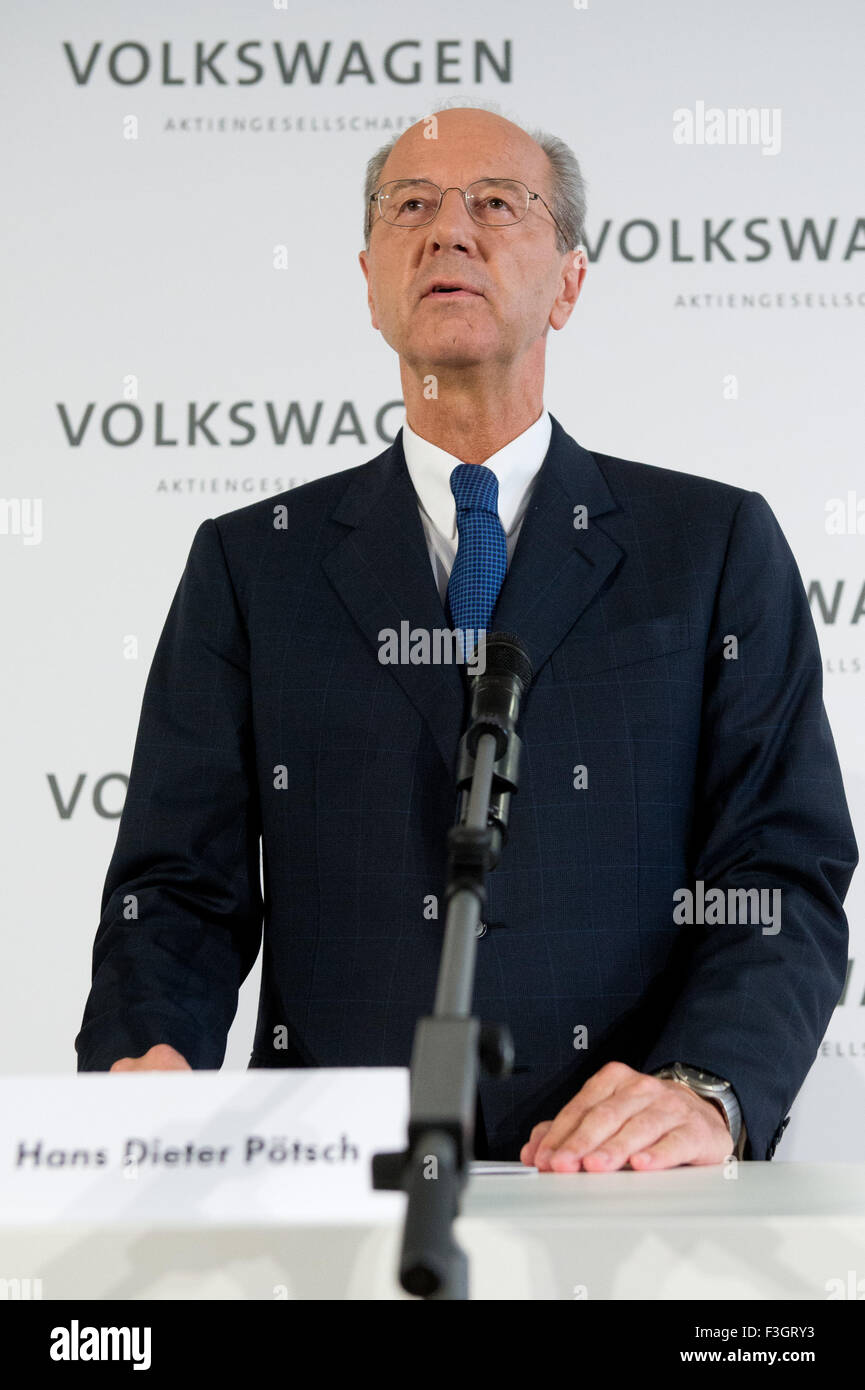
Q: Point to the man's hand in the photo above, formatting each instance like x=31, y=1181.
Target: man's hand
x=162, y=1057
x=624, y=1116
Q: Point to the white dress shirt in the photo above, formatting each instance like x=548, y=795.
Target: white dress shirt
x=516, y=467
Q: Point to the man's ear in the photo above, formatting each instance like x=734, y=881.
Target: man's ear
x=364, y=265
x=573, y=274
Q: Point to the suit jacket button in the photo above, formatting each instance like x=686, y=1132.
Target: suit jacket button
x=776, y=1137
x=481, y=929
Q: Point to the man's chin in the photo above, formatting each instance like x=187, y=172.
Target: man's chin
x=456, y=351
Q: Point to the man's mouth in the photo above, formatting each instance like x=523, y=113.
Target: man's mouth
x=451, y=292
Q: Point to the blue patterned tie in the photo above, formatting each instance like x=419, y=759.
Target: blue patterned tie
x=482, y=552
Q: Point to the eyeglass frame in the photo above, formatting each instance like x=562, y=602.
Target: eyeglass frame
x=487, y=178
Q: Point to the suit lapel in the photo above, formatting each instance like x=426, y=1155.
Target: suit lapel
x=382, y=572
x=557, y=569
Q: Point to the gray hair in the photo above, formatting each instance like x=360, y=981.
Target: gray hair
x=568, y=199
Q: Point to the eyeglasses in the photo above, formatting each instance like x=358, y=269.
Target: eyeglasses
x=491, y=202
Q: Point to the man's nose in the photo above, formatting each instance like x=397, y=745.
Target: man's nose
x=452, y=219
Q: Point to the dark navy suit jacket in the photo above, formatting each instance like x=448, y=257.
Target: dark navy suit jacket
x=267, y=714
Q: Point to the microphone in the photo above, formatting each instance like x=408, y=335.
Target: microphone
x=496, y=696
x=498, y=691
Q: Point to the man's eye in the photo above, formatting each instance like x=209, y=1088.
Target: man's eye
x=412, y=207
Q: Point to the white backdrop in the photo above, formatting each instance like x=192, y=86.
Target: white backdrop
x=164, y=251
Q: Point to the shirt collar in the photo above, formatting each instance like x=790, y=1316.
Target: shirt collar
x=515, y=466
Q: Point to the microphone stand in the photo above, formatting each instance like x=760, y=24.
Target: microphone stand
x=451, y=1045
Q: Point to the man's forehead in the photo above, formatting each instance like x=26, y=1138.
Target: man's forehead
x=465, y=150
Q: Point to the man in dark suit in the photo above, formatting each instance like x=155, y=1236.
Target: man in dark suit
x=670, y=897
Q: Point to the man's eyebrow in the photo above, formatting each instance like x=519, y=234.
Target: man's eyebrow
x=409, y=178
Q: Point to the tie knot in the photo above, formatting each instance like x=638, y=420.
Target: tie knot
x=475, y=488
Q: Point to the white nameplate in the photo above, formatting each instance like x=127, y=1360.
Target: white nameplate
x=200, y=1149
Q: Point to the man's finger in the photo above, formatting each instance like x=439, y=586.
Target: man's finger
x=712, y=1146
x=529, y=1149
x=616, y=1097
x=598, y=1087
x=682, y=1145
x=640, y=1135
x=616, y=1128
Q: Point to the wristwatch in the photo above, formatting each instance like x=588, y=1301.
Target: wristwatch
x=710, y=1087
